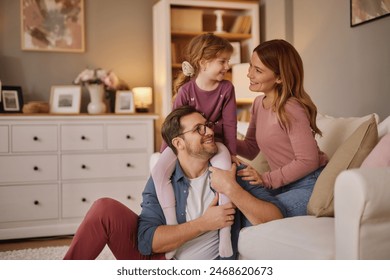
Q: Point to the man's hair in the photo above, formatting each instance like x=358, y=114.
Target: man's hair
x=171, y=127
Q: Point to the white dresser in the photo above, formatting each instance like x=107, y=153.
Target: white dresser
x=52, y=168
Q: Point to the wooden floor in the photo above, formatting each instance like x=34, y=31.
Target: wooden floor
x=19, y=244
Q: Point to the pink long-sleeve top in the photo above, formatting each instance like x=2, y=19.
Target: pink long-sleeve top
x=218, y=106
x=291, y=153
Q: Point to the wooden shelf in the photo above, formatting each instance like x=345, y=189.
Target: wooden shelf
x=226, y=35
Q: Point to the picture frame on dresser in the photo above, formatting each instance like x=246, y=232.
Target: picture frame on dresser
x=11, y=99
x=124, y=102
x=65, y=99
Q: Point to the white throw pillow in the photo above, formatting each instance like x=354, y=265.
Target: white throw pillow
x=335, y=130
x=384, y=127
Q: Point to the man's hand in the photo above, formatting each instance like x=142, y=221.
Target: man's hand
x=217, y=216
x=223, y=180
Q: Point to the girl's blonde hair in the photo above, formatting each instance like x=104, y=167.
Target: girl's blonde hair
x=283, y=59
x=202, y=47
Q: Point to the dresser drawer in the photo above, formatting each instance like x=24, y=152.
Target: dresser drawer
x=81, y=137
x=26, y=203
x=128, y=136
x=78, y=198
x=104, y=165
x=3, y=138
x=34, y=138
x=28, y=168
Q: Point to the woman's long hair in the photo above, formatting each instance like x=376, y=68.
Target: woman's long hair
x=284, y=60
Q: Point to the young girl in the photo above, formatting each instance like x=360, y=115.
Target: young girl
x=202, y=85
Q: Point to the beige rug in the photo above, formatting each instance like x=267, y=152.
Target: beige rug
x=47, y=253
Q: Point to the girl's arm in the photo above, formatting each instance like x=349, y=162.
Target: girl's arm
x=229, y=120
x=248, y=147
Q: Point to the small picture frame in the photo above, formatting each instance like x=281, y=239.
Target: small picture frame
x=11, y=99
x=65, y=99
x=124, y=102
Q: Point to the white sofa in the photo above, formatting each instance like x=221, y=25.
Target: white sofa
x=361, y=226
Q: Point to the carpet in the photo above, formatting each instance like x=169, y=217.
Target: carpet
x=48, y=253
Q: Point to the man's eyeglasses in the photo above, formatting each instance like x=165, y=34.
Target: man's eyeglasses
x=200, y=128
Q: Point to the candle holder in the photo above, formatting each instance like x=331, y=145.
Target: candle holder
x=219, y=21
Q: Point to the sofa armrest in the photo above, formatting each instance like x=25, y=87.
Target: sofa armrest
x=362, y=214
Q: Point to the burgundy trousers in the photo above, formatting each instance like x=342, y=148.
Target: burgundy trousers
x=108, y=222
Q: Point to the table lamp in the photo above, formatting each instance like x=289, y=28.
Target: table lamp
x=142, y=98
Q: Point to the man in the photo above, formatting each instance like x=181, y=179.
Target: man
x=199, y=217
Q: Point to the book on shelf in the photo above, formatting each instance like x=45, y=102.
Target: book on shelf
x=173, y=53
x=242, y=24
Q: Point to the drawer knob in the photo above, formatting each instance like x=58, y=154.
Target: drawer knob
x=35, y=138
x=83, y=137
x=128, y=136
x=36, y=168
x=128, y=165
x=83, y=166
x=83, y=199
x=129, y=197
x=36, y=202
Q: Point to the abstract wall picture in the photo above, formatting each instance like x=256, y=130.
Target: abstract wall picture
x=52, y=25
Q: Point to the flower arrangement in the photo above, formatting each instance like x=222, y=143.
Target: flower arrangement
x=109, y=79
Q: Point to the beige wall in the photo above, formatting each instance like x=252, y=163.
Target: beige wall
x=118, y=37
x=347, y=69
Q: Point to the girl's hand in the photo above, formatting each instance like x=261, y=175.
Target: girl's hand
x=236, y=160
x=250, y=174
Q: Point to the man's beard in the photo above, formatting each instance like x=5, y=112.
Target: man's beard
x=205, y=151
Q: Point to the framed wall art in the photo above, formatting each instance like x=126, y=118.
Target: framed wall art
x=124, y=102
x=52, y=25
x=11, y=99
x=65, y=99
x=363, y=11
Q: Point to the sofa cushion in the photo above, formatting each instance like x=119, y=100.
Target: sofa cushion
x=349, y=155
x=335, y=130
x=380, y=155
x=299, y=238
x=384, y=127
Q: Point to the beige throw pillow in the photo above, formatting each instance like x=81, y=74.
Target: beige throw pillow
x=349, y=155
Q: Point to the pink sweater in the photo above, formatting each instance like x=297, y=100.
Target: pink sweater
x=291, y=154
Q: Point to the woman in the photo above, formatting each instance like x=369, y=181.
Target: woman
x=282, y=126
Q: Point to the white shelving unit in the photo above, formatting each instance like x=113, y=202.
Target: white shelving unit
x=164, y=38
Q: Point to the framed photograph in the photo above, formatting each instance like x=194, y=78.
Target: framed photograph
x=65, y=99
x=11, y=99
x=363, y=11
x=52, y=25
x=124, y=102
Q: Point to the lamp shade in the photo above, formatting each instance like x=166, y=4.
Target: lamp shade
x=142, y=96
x=241, y=83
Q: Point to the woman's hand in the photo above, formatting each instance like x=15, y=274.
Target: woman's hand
x=250, y=174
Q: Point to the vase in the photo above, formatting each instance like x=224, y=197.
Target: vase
x=96, y=93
